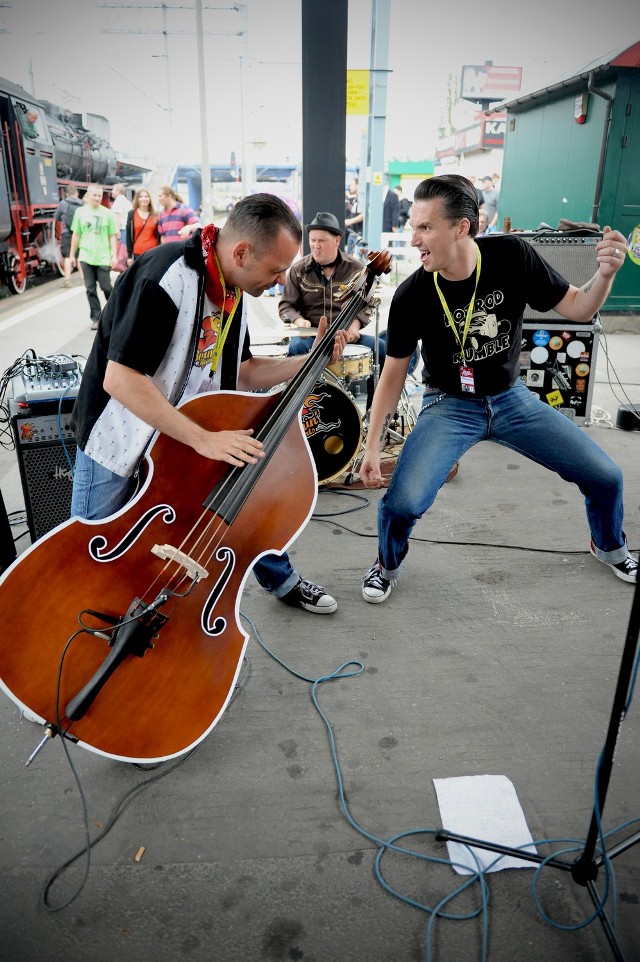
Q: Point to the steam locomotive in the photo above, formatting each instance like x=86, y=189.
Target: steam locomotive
x=43, y=148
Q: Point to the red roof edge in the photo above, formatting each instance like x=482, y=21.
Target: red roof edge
x=629, y=57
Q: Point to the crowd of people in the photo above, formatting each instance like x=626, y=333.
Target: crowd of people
x=97, y=238
x=195, y=279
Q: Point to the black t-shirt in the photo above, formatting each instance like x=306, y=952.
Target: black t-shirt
x=513, y=275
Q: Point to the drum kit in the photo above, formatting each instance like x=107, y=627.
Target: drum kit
x=334, y=426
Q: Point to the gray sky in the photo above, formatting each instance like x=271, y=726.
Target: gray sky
x=124, y=76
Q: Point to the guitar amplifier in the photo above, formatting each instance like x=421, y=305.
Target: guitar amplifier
x=572, y=255
x=46, y=450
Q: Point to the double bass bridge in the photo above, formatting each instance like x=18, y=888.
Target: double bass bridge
x=168, y=553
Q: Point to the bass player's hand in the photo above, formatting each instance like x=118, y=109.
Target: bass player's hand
x=235, y=447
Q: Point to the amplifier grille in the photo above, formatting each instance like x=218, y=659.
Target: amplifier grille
x=573, y=257
x=47, y=483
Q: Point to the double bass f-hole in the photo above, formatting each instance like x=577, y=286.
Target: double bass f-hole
x=140, y=628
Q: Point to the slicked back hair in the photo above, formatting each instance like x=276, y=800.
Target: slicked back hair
x=458, y=196
x=260, y=218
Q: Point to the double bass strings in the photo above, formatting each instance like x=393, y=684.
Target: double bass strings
x=242, y=480
x=237, y=484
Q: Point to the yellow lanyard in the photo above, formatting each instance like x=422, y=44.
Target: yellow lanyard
x=447, y=312
x=222, y=332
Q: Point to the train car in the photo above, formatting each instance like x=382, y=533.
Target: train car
x=43, y=148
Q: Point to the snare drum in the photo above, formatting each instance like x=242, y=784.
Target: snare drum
x=356, y=362
x=332, y=424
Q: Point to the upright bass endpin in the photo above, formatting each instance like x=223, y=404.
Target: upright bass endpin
x=49, y=733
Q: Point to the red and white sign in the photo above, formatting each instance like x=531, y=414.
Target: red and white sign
x=490, y=83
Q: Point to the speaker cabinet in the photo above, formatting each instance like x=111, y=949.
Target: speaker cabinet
x=571, y=255
x=46, y=450
x=558, y=357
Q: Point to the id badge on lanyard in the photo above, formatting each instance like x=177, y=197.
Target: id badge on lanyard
x=467, y=382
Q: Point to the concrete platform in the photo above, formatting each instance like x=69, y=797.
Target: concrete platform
x=498, y=653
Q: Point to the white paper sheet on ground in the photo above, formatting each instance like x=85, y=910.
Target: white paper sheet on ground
x=485, y=807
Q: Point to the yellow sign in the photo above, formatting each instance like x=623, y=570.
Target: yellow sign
x=377, y=179
x=357, y=92
x=555, y=399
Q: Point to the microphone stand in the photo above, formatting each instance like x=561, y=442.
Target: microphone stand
x=584, y=869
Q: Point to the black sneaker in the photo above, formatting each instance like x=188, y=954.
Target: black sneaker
x=375, y=588
x=311, y=597
x=627, y=569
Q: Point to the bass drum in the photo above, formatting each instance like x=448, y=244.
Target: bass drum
x=333, y=427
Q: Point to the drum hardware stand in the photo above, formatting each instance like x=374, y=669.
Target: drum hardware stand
x=404, y=417
x=375, y=303
x=405, y=412
x=584, y=869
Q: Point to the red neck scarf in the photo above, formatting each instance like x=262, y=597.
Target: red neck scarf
x=215, y=284
x=217, y=291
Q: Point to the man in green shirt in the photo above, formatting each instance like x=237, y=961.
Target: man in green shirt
x=94, y=240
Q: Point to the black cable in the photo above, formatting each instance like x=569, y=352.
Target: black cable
x=19, y=516
x=465, y=544
x=111, y=821
x=347, y=494
x=120, y=805
x=28, y=362
x=627, y=404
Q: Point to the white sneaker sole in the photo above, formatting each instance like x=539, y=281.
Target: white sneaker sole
x=321, y=609
x=376, y=599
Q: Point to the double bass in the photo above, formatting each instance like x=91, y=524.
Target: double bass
x=123, y=634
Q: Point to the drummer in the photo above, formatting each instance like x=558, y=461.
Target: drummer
x=314, y=287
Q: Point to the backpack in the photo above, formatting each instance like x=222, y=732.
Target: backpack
x=68, y=212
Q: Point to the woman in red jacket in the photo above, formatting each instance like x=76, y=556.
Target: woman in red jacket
x=142, y=226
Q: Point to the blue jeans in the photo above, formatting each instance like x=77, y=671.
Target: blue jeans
x=98, y=492
x=448, y=426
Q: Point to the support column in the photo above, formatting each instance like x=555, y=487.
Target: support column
x=324, y=107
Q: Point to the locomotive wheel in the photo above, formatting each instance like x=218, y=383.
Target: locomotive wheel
x=17, y=275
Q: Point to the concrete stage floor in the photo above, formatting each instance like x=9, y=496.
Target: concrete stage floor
x=498, y=653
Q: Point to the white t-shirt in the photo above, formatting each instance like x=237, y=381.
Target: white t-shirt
x=121, y=207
